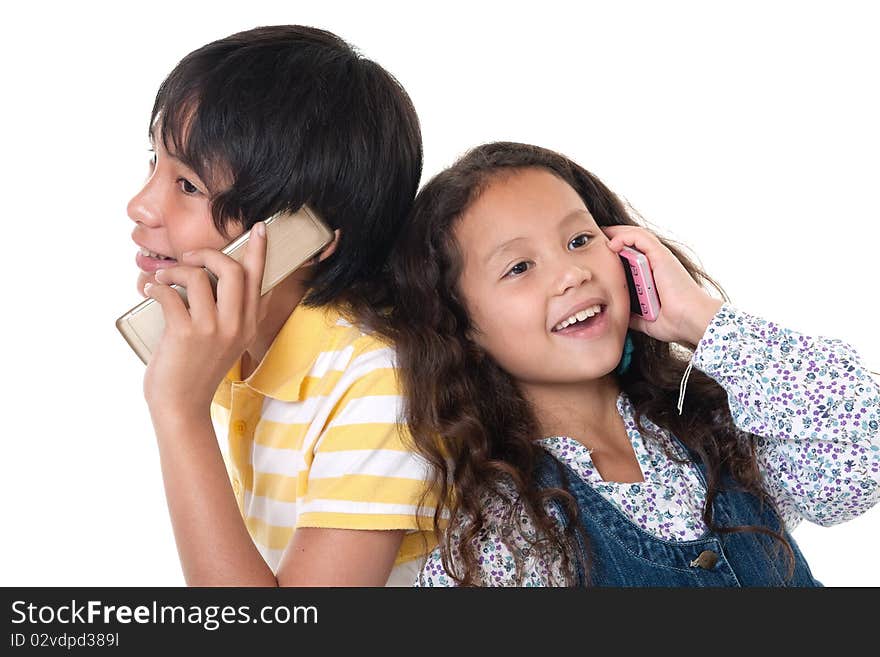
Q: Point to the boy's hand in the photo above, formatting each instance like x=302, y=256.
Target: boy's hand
x=201, y=343
x=685, y=308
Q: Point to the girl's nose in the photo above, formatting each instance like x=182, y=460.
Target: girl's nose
x=572, y=275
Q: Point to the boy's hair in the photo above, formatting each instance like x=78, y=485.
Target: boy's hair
x=470, y=419
x=281, y=116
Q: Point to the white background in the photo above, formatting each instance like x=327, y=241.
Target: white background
x=749, y=132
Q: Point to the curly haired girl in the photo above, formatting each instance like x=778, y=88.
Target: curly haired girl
x=563, y=448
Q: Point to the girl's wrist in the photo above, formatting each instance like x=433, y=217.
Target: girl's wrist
x=698, y=319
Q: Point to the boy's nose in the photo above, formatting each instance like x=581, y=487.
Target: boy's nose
x=143, y=208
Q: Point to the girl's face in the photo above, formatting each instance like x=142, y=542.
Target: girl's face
x=535, y=266
x=172, y=215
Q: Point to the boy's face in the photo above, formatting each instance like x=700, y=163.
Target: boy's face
x=533, y=256
x=172, y=215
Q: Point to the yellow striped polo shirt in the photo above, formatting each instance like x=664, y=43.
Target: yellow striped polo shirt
x=315, y=438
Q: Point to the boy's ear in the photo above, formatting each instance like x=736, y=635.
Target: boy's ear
x=328, y=250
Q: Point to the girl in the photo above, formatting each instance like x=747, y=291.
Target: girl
x=558, y=419
x=321, y=488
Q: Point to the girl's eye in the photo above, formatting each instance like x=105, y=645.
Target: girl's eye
x=517, y=269
x=187, y=187
x=579, y=241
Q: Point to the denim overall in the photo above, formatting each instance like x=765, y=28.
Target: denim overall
x=623, y=554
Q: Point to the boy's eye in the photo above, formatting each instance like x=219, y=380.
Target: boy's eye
x=579, y=241
x=187, y=187
x=517, y=269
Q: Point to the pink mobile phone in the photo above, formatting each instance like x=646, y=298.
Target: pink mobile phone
x=642, y=291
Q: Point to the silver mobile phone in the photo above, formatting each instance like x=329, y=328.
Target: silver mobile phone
x=292, y=239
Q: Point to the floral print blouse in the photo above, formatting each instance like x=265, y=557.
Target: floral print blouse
x=814, y=409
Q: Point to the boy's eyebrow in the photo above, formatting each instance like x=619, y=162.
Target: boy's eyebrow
x=180, y=162
x=506, y=245
x=169, y=154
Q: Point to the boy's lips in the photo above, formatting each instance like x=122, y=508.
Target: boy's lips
x=150, y=264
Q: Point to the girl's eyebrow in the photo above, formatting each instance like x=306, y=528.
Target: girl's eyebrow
x=504, y=246
x=573, y=215
x=501, y=248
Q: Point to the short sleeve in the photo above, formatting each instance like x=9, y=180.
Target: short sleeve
x=364, y=472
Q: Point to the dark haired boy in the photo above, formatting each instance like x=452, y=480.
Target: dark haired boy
x=311, y=481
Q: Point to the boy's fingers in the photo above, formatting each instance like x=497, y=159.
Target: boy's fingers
x=199, y=294
x=173, y=309
x=230, y=280
x=254, y=267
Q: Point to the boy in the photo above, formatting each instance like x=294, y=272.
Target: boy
x=318, y=485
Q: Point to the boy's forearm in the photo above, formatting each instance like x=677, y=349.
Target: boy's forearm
x=213, y=543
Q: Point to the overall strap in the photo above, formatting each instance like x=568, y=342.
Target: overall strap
x=621, y=553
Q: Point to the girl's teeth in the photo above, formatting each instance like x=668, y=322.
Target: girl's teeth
x=579, y=317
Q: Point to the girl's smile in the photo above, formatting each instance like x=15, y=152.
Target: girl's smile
x=588, y=322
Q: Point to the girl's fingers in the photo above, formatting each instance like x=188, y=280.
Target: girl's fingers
x=173, y=309
x=640, y=239
x=638, y=323
x=199, y=295
x=613, y=233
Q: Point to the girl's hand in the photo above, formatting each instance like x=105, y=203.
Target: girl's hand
x=685, y=308
x=201, y=343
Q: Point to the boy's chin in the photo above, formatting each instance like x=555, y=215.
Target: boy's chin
x=142, y=279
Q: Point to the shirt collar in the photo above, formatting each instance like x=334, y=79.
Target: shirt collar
x=290, y=357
